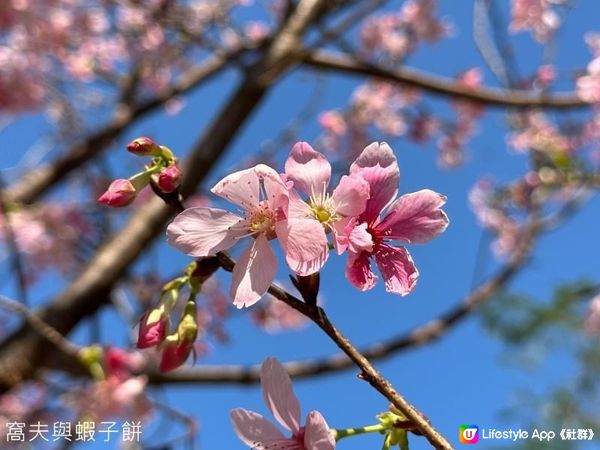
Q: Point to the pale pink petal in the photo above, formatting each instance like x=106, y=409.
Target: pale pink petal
x=378, y=166
x=415, y=217
x=308, y=169
x=279, y=395
x=340, y=229
x=297, y=208
x=350, y=196
x=253, y=273
x=253, y=429
x=205, y=231
x=244, y=187
x=358, y=271
x=360, y=239
x=304, y=243
x=397, y=269
x=317, y=435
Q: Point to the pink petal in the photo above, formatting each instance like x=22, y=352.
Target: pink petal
x=253, y=273
x=205, y=231
x=304, y=243
x=243, y=187
x=308, y=169
x=253, y=429
x=360, y=239
x=358, y=271
x=351, y=195
x=378, y=166
x=316, y=434
x=415, y=217
x=397, y=268
x=279, y=395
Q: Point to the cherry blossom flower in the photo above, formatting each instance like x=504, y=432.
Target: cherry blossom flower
x=260, y=434
x=311, y=172
x=275, y=316
x=413, y=218
x=264, y=197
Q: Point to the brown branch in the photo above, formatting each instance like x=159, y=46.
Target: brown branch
x=505, y=98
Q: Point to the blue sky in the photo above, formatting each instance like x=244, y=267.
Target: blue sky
x=461, y=378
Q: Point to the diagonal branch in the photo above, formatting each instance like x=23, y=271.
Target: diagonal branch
x=504, y=98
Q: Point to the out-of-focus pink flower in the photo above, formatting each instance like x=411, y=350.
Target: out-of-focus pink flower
x=591, y=324
x=264, y=198
x=492, y=216
x=119, y=194
x=257, y=432
x=275, y=316
x=311, y=172
x=541, y=135
x=588, y=86
x=112, y=397
x=536, y=16
x=414, y=218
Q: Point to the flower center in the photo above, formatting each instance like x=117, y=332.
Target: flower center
x=322, y=208
x=262, y=220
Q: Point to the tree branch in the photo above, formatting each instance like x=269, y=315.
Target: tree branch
x=504, y=98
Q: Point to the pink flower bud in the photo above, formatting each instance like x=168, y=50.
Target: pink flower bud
x=120, y=193
x=144, y=146
x=153, y=328
x=174, y=354
x=168, y=179
x=178, y=346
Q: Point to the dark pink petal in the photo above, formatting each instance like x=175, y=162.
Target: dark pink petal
x=317, y=435
x=168, y=179
x=308, y=169
x=351, y=195
x=397, y=267
x=378, y=166
x=253, y=429
x=244, y=187
x=304, y=243
x=205, y=231
x=358, y=271
x=253, y=273
x=279, y=395
x=415, y=217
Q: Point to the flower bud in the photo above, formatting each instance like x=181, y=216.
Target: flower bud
x=120, y=193
x=153, y=327
x=168, y=179
x=178, y=346
x=144, y=146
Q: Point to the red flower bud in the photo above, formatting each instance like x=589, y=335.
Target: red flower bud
x=144, y=146
x=120, y=193
x=153, y=328
x=168, y=179
x=174, y=354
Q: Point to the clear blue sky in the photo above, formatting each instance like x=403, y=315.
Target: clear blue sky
x=460, y=379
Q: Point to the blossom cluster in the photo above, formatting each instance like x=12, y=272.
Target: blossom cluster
x=362, y=215
x=45, y=236
x=44, y=42
x=396, y=35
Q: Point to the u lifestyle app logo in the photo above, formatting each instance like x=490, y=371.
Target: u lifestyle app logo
x=469, y=434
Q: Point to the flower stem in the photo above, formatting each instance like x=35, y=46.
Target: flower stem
x=340, y=434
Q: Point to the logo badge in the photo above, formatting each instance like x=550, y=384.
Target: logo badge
x=469, y=434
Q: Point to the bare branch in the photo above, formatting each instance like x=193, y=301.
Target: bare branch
x=504, y=98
